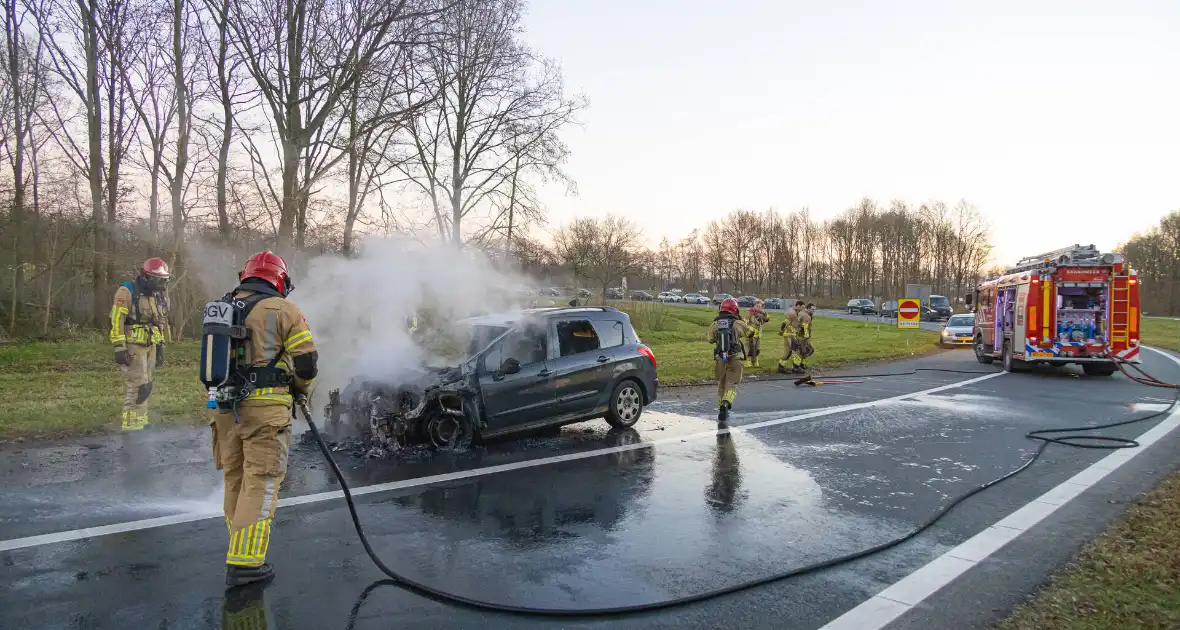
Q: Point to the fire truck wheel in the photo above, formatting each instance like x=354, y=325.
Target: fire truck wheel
x=1011, y=364
x=979, y=353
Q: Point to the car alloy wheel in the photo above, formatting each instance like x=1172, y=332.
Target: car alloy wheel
x=629, y=404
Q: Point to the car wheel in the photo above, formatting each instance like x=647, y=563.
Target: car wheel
x=1098, y=369
x=626, y=405
x=980, y=355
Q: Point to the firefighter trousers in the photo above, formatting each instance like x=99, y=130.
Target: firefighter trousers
x=755, y=344
x=805, y=348
x=137, y=382
x=729, y=374
x=251, y=451
x=792, y=352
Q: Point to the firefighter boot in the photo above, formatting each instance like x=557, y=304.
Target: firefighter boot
x=782, y=367
x=723, y=412
x=238, y=575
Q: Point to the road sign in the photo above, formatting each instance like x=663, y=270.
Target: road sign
x=909, y=313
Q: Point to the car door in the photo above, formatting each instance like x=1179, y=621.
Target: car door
x=580, y=365
x=522, y=397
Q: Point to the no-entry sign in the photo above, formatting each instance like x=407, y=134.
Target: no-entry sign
x=909, y=313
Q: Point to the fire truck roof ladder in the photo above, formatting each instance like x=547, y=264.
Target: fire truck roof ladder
x=1072, y=255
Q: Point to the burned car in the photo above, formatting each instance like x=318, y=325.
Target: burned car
x=520, y=371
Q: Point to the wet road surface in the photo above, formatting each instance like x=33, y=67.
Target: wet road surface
x=589, y=517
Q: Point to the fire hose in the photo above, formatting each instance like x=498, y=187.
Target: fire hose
x=1077, y=437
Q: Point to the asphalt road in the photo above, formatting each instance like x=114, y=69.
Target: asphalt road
x=590, y=518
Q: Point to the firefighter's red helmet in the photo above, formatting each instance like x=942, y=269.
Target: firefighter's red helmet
x=729, y=306
x=270, y=267
x=156, y=268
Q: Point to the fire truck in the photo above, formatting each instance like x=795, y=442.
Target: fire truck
x=1072, y=305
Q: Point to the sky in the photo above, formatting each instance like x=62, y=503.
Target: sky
x=1059, y=120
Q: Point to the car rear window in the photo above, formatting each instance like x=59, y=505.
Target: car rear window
x=610, y=332
x=576, y=337
x=961, y=320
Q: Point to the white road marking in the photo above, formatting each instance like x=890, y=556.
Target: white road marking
x=91, y=532
x=881, y=609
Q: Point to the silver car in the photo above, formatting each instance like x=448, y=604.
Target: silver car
x=695, y=298
x=958, y=331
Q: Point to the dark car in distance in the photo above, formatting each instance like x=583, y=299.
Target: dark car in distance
x=642, y=296
x=938, y=308
x=773, y=303
x=861, y=307
x=613, y=294
x=746, y=301
x=718, y=298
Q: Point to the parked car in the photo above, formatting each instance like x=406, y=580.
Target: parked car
x=695, y=298
x=668, y=296
x=525, y=370
x=958, y=330
x=746, y=301
x=861, y=306
x=777, y=304
x=718, y=298
x=583, y=293
x=549, y=292
x=642, y=296
x=613, y=294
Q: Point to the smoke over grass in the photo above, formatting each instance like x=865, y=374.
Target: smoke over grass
x=358, y=308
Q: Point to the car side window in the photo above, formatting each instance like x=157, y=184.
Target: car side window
x=527, y=346
x=610, y=332
x=576, y=337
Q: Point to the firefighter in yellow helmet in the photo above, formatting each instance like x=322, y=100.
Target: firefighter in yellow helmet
x=728, y=334
x=139, y=328
x=252, y=432
x=756, y=317
x=793, y=330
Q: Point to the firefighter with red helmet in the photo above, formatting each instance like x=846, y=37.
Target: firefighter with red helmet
x=139, y=328
x=728, y=334
x=252, y=436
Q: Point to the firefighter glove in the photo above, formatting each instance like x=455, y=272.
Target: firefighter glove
x=122, y=358
x=159, y=355
x=782, y=330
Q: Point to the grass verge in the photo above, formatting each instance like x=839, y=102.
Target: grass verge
x=1129, y=577
x=70, y=387
x=49, y=389
x=1161, y=333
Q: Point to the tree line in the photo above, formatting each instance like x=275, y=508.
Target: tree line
x=1155, y=254
x=866, y=251
x=133, y=128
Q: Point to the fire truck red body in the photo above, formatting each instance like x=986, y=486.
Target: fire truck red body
x=1072, y=305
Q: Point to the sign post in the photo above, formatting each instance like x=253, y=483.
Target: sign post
x=909, y=316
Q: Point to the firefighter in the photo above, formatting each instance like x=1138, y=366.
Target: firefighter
x=727, y=335
x=756, y=317
x=139, y=328
x=805, y=347
x=252, y=438
x=792, y=331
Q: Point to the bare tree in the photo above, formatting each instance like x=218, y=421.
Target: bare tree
x=70, y=27
x=22, y=66
x=305, y=57
x=501, y=108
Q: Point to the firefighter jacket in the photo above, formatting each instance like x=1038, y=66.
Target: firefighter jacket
x=804, y=325
x=279, y=329
x=140, y=319
x=790, y=326
x=741, y=331
x=757, y=318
